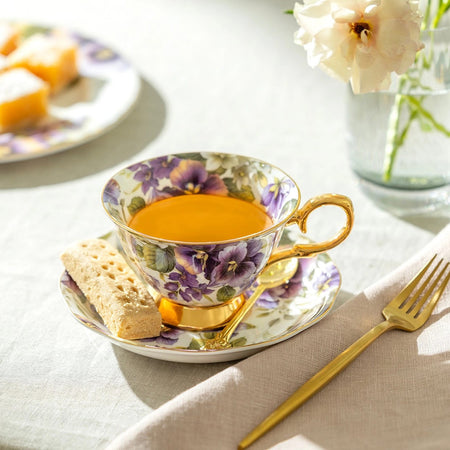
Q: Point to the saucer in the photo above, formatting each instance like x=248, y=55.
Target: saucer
x=279, y=314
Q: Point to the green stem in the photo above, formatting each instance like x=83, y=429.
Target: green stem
x=392, y=141
x=426, y=16
x=444, y=7
x=395, y=138
x=399, y=139
x=428, y=115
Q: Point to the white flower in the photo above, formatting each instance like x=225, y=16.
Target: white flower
x=241, y=175
x=363, y=41
x=216, y=160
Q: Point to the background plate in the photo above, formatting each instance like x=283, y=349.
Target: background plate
x=105, y=92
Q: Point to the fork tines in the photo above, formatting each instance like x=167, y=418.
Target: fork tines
x=415, y=303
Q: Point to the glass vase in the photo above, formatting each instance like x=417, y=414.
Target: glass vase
x=399, y=140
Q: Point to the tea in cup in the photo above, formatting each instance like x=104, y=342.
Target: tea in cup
x=200, y=228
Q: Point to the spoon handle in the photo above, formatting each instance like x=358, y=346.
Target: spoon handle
x=221, y=339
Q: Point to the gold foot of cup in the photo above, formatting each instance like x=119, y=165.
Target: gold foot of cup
x=198, y=318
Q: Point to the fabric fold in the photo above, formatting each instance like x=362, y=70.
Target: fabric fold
x=395, y=395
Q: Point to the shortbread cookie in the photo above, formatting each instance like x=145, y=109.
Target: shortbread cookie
x=121, y=299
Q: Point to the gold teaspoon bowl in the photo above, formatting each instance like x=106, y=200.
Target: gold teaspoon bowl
x=272, y=276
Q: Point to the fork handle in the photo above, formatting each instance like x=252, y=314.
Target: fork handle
x=317, y=382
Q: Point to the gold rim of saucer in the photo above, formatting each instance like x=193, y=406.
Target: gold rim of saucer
x=198, y=318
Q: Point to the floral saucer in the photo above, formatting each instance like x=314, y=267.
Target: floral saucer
x=105, y=91
x=279, y=314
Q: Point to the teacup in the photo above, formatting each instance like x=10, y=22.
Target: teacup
x=201, y=284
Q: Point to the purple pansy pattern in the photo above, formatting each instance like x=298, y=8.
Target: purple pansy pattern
x=111, y=192
x=275, y=194
x=200, y=274
x=191, y=177
x=237, y=263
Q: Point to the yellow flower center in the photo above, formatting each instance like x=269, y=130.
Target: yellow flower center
x=192, y=188
x=360, y=28
x=202, y=256
x=232, y=266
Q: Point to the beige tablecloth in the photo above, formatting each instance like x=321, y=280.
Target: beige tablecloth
x=217, y=75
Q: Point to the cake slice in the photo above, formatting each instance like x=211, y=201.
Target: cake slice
x=9, y=38
x=53, y=58
x=23, y=99
x=121, y=299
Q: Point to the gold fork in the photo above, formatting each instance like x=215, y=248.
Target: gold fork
x=405, y=312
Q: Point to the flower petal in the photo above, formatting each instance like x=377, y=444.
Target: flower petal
x=361, y=40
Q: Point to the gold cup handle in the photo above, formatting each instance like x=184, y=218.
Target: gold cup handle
x=301, y=217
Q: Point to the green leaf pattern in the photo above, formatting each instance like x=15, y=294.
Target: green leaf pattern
x=158, y=258
x=136, y=204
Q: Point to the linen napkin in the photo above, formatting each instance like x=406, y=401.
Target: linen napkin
x=395, y=395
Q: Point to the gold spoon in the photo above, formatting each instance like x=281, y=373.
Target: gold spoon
x=272, y=276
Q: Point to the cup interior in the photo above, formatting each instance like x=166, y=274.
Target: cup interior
x=249, y=179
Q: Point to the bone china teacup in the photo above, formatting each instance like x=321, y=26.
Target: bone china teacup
x=207, y=279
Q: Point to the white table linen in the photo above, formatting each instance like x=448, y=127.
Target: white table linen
x=219, y=76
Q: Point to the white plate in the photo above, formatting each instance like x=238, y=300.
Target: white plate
x=279, y=314
x=100, y=98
